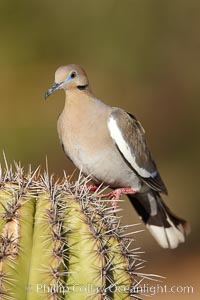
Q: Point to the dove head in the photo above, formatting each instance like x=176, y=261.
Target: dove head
x=69, y=77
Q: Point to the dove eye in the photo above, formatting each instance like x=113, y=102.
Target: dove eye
x=73, y=74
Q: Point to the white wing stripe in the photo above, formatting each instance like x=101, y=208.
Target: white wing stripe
x=125, y=149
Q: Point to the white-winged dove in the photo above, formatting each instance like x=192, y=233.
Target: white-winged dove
x=108, y=144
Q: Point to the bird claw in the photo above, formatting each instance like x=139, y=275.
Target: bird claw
x=113, y=195
x=92, y=188
x=116, y=194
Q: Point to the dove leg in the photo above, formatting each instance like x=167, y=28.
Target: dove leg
x=116, y=194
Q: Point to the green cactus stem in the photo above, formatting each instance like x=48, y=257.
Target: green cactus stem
x=59, y=241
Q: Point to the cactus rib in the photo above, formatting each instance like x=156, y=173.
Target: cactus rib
x=58, y=241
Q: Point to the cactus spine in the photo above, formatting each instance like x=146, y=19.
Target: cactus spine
x=58, y=241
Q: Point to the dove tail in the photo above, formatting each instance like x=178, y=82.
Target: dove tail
x=167, y=229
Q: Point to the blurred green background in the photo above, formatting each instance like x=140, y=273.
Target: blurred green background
x=143, y=56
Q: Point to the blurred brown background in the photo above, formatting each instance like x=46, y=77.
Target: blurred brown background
x=141, y=55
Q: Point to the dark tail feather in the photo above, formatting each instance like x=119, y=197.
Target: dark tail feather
x=168, y=229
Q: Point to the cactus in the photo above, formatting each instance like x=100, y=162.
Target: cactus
x=59, y=241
